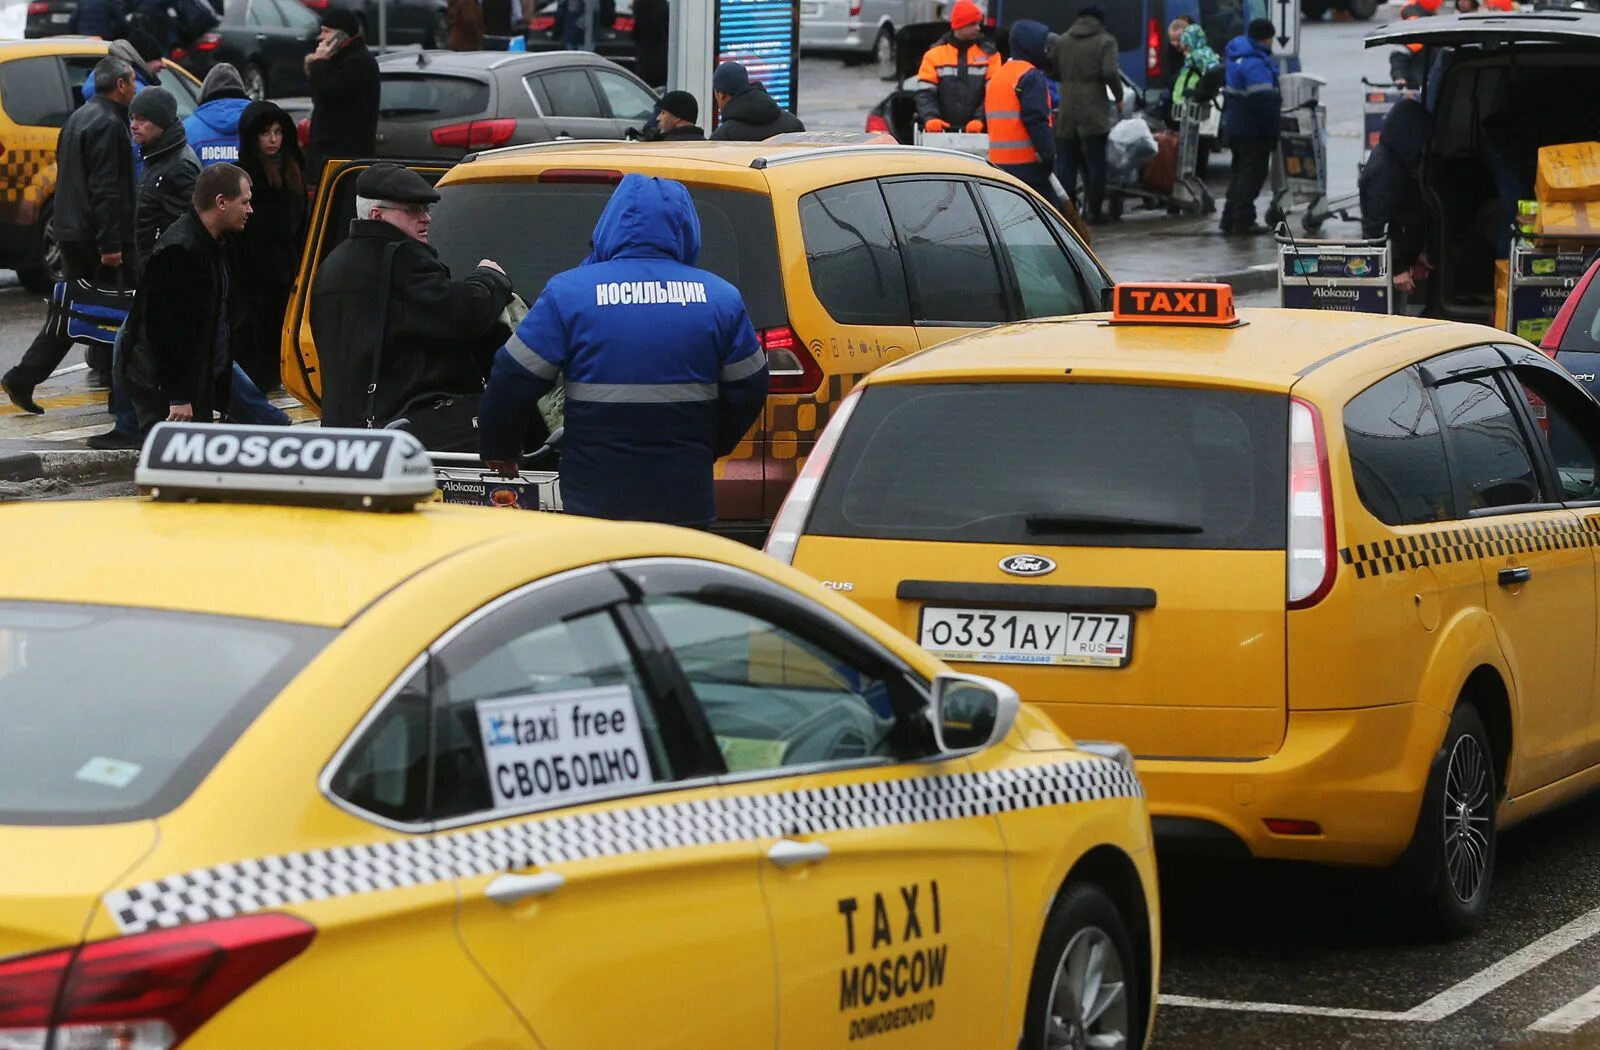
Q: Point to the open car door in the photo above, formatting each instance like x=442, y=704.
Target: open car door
x=1533, y=27
x=330, y=222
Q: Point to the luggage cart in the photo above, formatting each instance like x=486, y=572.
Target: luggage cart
x=1189, y=194
x=1541, y=275
x=1353, y=276
x=1299, y=170
x=1377, y=100
x=961, y=141
x=462, y=478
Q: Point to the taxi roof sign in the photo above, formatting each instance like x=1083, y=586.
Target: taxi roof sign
x=361, y=469
x=1209, y=305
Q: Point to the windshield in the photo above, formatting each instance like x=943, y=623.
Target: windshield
x=110, y=714
x=1057, y=463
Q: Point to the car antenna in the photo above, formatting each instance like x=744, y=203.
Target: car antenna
x=422, y=59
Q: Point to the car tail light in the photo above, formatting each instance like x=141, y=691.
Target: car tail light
x=542, y=23
x=316, y=5
x=476, y=134
x=1153, y=48
x=855, y=8
x=1287, y=826
x=181, y=53
x=302, y=131
x=591, y=176
x=622, y=24
x=39, y=7
x=790, y=523
x=875, y=122
x=1310, y=540
x=790, y=367
x=147, y=991
x=208, y=42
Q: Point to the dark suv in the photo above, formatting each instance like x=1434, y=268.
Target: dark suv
x=446, y=104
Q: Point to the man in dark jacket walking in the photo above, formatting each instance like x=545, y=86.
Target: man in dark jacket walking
x=94, y=216
x=651, y=19
x=748, y=112
x=1392, y=205
x=105, y=19
x=1085, y=60
x=1250, y=117
x=166, y=187
x=663, y=370
x=177, y=362
x=675, y=119
x=436, y=335
x=344, y=94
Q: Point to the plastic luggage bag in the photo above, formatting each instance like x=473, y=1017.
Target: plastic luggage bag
x=1130, y=147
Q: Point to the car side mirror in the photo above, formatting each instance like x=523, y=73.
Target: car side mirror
x=970, y=713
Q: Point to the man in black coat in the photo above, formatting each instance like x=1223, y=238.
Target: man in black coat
x=177, y=364
x=650, y=38
x=94, y=216
x=1391, y=193
x=748, y=112
x=166, y=187
x=438, y=336
x=344, y=94
x=675, y=119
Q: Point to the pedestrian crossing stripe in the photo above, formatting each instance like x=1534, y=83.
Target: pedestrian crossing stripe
x=1468, y=543
x=259, y=884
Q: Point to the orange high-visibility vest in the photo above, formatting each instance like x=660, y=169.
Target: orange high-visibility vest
x=1008, y=136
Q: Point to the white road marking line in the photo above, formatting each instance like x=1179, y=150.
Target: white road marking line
x=1573, y=1016
x=71, y=434
x=81, y=366
x=1284, y=1008
x=1459, y=995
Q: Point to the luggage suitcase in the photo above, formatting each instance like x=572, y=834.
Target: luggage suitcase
x=1162, y=172
x=89, y=313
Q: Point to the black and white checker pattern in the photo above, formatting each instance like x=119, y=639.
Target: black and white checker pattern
x=1468, y=543
x=273, y=882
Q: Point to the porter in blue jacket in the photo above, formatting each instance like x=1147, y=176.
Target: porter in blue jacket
x=213, y=128
x=663, y=370
x=1252, y=98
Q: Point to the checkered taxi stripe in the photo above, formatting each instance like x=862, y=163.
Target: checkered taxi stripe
x=273, y=882
x=1468, y=543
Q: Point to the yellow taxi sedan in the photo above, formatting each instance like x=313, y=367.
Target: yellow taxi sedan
x=1329, y=576
x=306, y=763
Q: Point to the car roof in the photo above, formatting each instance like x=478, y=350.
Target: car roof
x=1273, y=349
x=292, y=564
x=52, y=45
x=796, y=165
x=1497, y=27
x=485, y=61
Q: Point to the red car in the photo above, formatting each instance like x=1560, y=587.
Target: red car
x=1574, y=336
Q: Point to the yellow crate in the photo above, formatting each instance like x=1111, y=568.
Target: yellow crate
x=1569, y=172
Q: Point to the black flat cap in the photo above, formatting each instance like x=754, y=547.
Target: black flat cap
x=391, y=182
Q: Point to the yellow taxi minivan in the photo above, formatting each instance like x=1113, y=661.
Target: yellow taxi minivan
x=848, y=256
x=1329, y=576
x=497, y=780
x=41, y=83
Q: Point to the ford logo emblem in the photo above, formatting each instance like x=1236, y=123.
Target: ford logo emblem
x=1027, y=565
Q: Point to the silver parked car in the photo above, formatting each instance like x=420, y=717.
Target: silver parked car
x=861, y=30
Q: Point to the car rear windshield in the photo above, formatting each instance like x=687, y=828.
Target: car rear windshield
x=408, y=96
x=1060, y=463
x=110, y=714
x=537, y=230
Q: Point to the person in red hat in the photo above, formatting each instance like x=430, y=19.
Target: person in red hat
x=955, y=73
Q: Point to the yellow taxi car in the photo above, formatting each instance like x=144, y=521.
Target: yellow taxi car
x=503, y=780
x=41, y=84
x=1329, y=576
x=848, y=256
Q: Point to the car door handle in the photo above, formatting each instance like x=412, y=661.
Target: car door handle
x=786, y=853
x=512, y=889
x=1512, y=577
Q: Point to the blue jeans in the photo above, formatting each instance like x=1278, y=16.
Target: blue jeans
x=247, y=404
x=121, y=403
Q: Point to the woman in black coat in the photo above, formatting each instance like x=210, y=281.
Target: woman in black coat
x=262, y=260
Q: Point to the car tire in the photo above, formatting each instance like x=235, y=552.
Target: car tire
x=1362, y=10
x=40, y=277
x=1312, y=10
x=1449, y=866
x=255, y=81
x=1083, y=931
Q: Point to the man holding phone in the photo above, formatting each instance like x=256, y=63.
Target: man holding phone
x=344, y=94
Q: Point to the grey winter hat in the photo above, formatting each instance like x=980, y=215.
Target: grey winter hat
x=731, y=79
x=223, y=77
x=155, y=104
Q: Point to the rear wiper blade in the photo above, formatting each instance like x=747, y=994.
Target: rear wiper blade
x=1060, y=522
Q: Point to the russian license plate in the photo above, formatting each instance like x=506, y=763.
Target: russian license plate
x=1014, y=636
x=61, y=16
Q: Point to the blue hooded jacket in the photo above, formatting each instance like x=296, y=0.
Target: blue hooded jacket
x=1252, y=102
x=1029, y=41
x=663, y=370
x=213, y=130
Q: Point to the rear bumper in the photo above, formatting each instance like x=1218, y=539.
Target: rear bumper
x=1359, y=774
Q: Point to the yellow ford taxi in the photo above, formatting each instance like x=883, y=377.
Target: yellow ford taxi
x=1329, y=576
x=848, y=256
x=512, y=780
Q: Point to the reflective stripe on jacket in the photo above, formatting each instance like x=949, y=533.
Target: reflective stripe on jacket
x=953, y=79
x=1009, y=141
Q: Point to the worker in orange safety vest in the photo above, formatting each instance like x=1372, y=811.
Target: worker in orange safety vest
x=1018, y=106
x=955, y=73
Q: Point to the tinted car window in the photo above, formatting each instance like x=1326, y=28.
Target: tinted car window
x=855, y=263
x=386, y=770
x=627, y=100
x=738, y=240
x=989, y=463
x=128, y=734
x=296, y=16
x=1568, y=427
x=949, y=260
x=265, y=13
x=1583, y=326
x=1397, y=452
x=32, y=92
x=567, y=93
x=1489, y=456
x=1045, y=278
x=410, y=96
x=183, y=89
